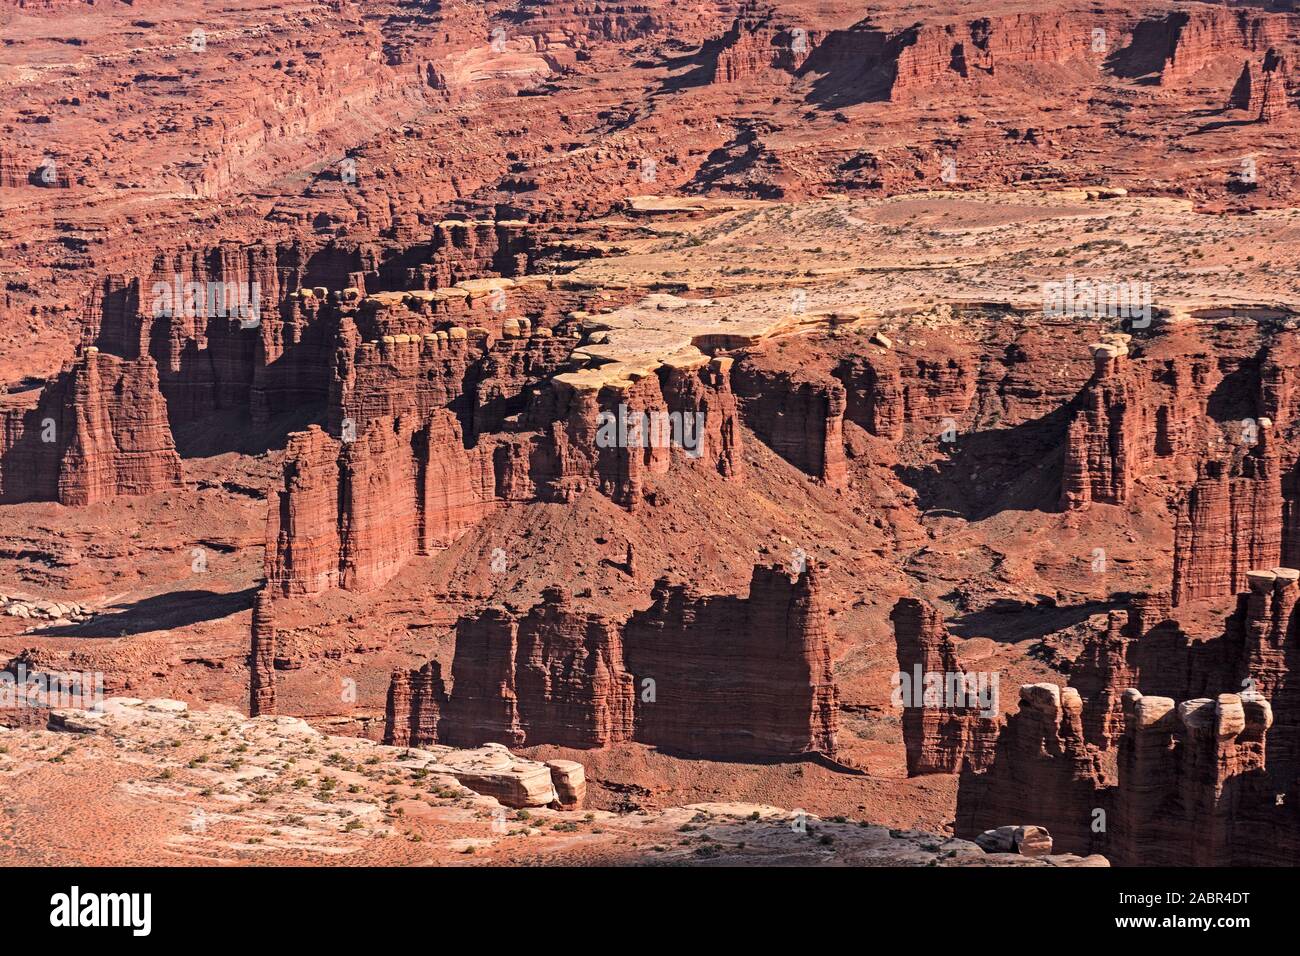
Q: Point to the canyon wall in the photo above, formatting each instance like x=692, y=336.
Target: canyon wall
x=1140, y=414
x=430, y=431
x=1230, y=522
x=709, y=675
x=96, y=431
x=1208, y=782
x=801, y=420
x=940, y=733
x=1107, y=444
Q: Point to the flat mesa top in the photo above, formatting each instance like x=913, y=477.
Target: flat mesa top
x=633, y=341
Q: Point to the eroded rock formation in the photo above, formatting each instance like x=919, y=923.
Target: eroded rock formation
x=1106, y=442
x=1042, y=770
x=710, y=675
x=1230, y=522
x=944, y=728
x=757, y=46
x=416, y=701
x=261, y=658
x=98, y=430
x=1190, y=41
x=436, y=429
x=736, y=675
x=1207, y=782
x=302, y=534
x=1274, y=106
x=556, y=675
x=801, y=420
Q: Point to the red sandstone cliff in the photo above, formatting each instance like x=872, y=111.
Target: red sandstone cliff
x=941, y=734
x=98, y=430
x=416, y=702
x=302, y=532
x=1230, y=522
x=261, y=658
x=715, y=675
x=556, y=675
x=736, y=675
x=377, y=505
x=455, y=488
x=757, y=46
x=801, y=420
x=1042, y=770
x=1106, y=442
x=886, y=391
x=405, y=481
x=1263, y=639
x=1195, y=784
x=1274, y=102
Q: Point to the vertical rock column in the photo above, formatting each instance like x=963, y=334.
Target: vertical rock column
x=261, y=666
x=302, y=535
x=800, y=420
x=118, y=440
x=1230, y=524
x=416, y=701
x=1264, y=627
x=378, y=523
x=1100, y=674
x=1106, y=436
x=939, y=737
x=1043, y=772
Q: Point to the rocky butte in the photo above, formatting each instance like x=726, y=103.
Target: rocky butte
x=709, y=675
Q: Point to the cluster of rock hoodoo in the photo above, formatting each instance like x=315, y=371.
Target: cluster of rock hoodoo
x=1164, y=748
x=1150, y=414
x=1144, y=757
x=700, y=674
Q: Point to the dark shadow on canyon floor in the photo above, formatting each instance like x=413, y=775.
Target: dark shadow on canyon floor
x=1010, y=622
x=160, y=612
x=999, y=469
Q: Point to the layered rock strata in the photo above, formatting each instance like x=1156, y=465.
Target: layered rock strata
x=944, y=727
x=442, y=427
x=801, y=420
x=1106, y=445
x=709, y=675
x=261, y=658
x=1208, y=782
x=97, y=431
x=1231, y=521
